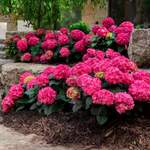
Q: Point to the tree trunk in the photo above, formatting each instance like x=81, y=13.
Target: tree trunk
x=55, y=14
x=139, y=12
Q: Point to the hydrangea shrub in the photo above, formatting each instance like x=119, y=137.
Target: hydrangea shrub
x=103, y=83
x=64, y=46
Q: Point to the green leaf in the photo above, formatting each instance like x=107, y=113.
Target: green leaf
x=62, y=96
x=88, y=103
x=105, y=84
x=94, y=39
x=95, y=111
x=120, y=49
x=38, y=103
x=93, y=45
x=20, y=108
x=26, y=101
x=52, y=108
x=31, y=93
x=33, y=106
x=101, y=119
x=53, y=82
x=77, y=106
x=98, y=110
x=109, y=42
x=35, y=50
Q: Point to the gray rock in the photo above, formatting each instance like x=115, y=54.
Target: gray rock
x=139, y=47
x=5, y=61
x=2, y=54
x=11, y=71
x=2, y=47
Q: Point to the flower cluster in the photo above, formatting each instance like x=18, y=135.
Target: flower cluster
x=62, y=46
x=108, y=32
x=15, y=92
x=109, y=79
x=101, y=77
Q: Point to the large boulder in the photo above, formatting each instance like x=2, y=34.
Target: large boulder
x=139, y=47
x=11, y=71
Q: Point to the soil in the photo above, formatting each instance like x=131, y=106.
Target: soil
x=67, y=128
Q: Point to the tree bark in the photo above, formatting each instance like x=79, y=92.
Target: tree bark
x=139, y=12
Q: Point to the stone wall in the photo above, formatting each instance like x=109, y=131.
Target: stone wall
x=11, y=71
x=139, y=48
x=11, y=33
x=11, y=23
x=91, y=13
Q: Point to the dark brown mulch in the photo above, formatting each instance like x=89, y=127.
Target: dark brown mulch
x=67, y=128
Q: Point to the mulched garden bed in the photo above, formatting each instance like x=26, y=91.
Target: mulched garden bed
x=66, y=128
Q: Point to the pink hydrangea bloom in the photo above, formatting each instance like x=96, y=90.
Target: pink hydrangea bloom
x=16, y=91
x=64, y=30
x=127, y=78
x=44, y=45
x=122, y=30
x=71, y=81
x=85, y=57
x=100, y=55
x=91, y=52
x=42, y=80
x=36, y=58
x=7, y=104
x=24, y=75
x=103, y=97
x=88, y=84
x=80, y=68
x=84, y=80
x=142, y=75
x=113, y=75
x=22, y=45
x=102, y=32
x=123, y=63
x=33, y=41
x=95, y=28
x=112, y=28
x=110, y=53
x=102, y=65
x=49, y=35
x=31, y=84
x=108, y=22
x=49, y=54
x=64, y=52
x=49, y=70
x=47, y=96
x=40, y=31
x=122, y=38
x=127, y=24
x=26, y=57
x=79, y=46
x=140, y=90
x=123, y=102
x=61, y=72
x=49, y=44
x=77, y=35
x=43, y=58
x=87, y=39
x=29, y=35
x=63, y=39
x=16, y=38
x=91, y=62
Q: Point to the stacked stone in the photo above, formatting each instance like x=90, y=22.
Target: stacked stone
x=139, y=48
